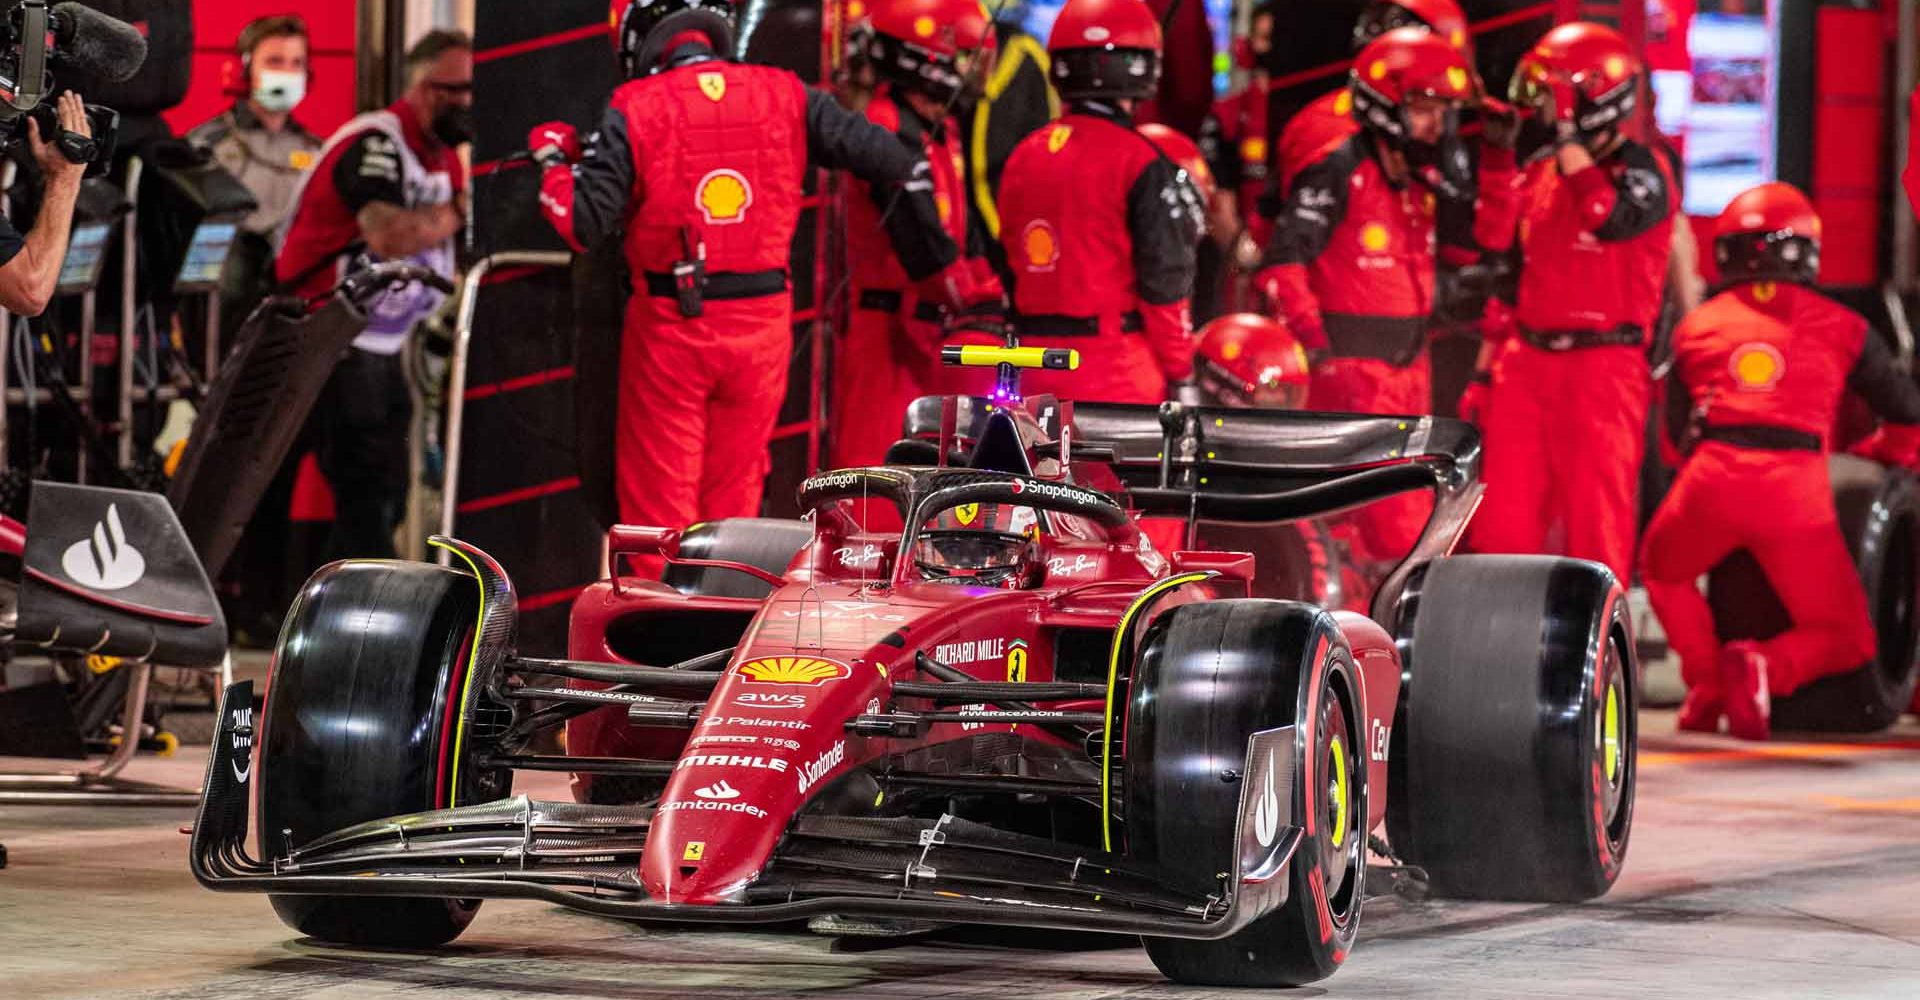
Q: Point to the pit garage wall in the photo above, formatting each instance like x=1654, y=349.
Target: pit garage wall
x=534, y=486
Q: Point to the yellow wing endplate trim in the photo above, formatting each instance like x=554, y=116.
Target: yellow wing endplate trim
x=1147, y=597
x=473, y=660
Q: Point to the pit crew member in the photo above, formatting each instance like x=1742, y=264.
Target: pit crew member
x=1099, y=225
x=700, y=160
x=1760, y=372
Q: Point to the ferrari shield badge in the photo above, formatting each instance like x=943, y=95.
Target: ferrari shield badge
x=714, y=85
x=966, y=513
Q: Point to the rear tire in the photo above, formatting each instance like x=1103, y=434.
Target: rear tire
x=1512, y=766
x=1209, y=676
x=1879, y=512
x=386, y=645
x=768, y=543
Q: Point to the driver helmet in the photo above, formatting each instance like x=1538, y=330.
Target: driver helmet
x=980, y=545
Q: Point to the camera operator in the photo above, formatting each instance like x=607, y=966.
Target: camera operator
x=30, y=265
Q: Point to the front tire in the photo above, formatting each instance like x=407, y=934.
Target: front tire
x=360, y=724
x=1209, y=676
x=1512, y=758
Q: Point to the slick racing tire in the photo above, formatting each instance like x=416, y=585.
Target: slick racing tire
x=360, y=725
x=765, y=542
x=1879, y=515
x=1511, y=769
x=1208, y=676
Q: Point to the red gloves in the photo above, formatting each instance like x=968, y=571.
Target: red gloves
x=1896, y=445
x=554, y=144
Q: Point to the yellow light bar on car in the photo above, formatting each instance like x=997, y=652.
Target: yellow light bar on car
x=983, y=356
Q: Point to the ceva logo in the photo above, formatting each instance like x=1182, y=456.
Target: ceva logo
x=105, y=561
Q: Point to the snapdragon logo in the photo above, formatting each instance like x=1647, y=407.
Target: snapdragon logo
x=105, y=561
x=1022, y=487
x=811, y=773
x=832, y=480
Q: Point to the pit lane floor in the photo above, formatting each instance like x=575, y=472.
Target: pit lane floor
x=1789, y=870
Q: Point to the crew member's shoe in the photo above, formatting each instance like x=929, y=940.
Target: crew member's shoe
x=1700, y=712
x=1743, y=682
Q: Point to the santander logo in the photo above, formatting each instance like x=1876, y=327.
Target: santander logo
x=105, y=561
x=718, y=790
x=811, y=773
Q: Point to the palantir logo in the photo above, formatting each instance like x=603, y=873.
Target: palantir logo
x=105, y=561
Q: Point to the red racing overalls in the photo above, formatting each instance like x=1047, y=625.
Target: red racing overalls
x=890, y=354
x=1765, y=366
x=702, y=162
x=1567, y=410
x=1351, y=270
x=1100, y=232
x=1240, y=155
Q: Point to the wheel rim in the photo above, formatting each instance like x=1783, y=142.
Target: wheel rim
x=1613, y=743
x=1334, y=799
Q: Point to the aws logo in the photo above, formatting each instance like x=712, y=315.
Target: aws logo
x=794, y=670
x=723, y=197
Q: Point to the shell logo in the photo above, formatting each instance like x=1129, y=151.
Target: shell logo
x=713, y=85
x=1377, y=70
x=1373, y=237
x=794, y=670
x=856, y=10
x=1764, y=291
x=1253, y=149
x=923, y=26
x=1457, y=77
x=1231, y=351
x=1457, y=39
x=945, y=205
x=1616, y=66
x=1041, y=244
x=1343, y=103
x=1756, y=367
x=1058, y=137
x=723, y=197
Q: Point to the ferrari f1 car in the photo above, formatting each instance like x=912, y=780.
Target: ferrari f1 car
x=959, y=691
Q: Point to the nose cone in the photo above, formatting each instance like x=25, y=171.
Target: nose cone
x=771, y=736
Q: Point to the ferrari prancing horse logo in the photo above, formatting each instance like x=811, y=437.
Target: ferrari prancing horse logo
x=714, y=85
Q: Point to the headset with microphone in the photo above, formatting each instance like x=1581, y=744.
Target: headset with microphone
x=237, y=74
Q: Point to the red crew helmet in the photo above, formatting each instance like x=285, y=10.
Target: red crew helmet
x=1105, y=49
x=1244, y=359
x=1403, y=65
x=933, y=46
x=1585, y=65
x=1768, y=233
x=1442, y=17
x=1184, y=154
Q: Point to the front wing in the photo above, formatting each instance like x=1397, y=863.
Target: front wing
x=586, y=857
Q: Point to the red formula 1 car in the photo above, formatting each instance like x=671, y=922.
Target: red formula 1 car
x=960, y=692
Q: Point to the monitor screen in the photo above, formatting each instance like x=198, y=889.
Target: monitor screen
x=206, y=257
x=1715, y=69
x=86, y=251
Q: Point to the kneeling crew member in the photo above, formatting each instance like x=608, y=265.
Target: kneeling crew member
x=1765, y=364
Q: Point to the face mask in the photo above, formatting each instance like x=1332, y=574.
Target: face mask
x=279, y=90
x=454, y=125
